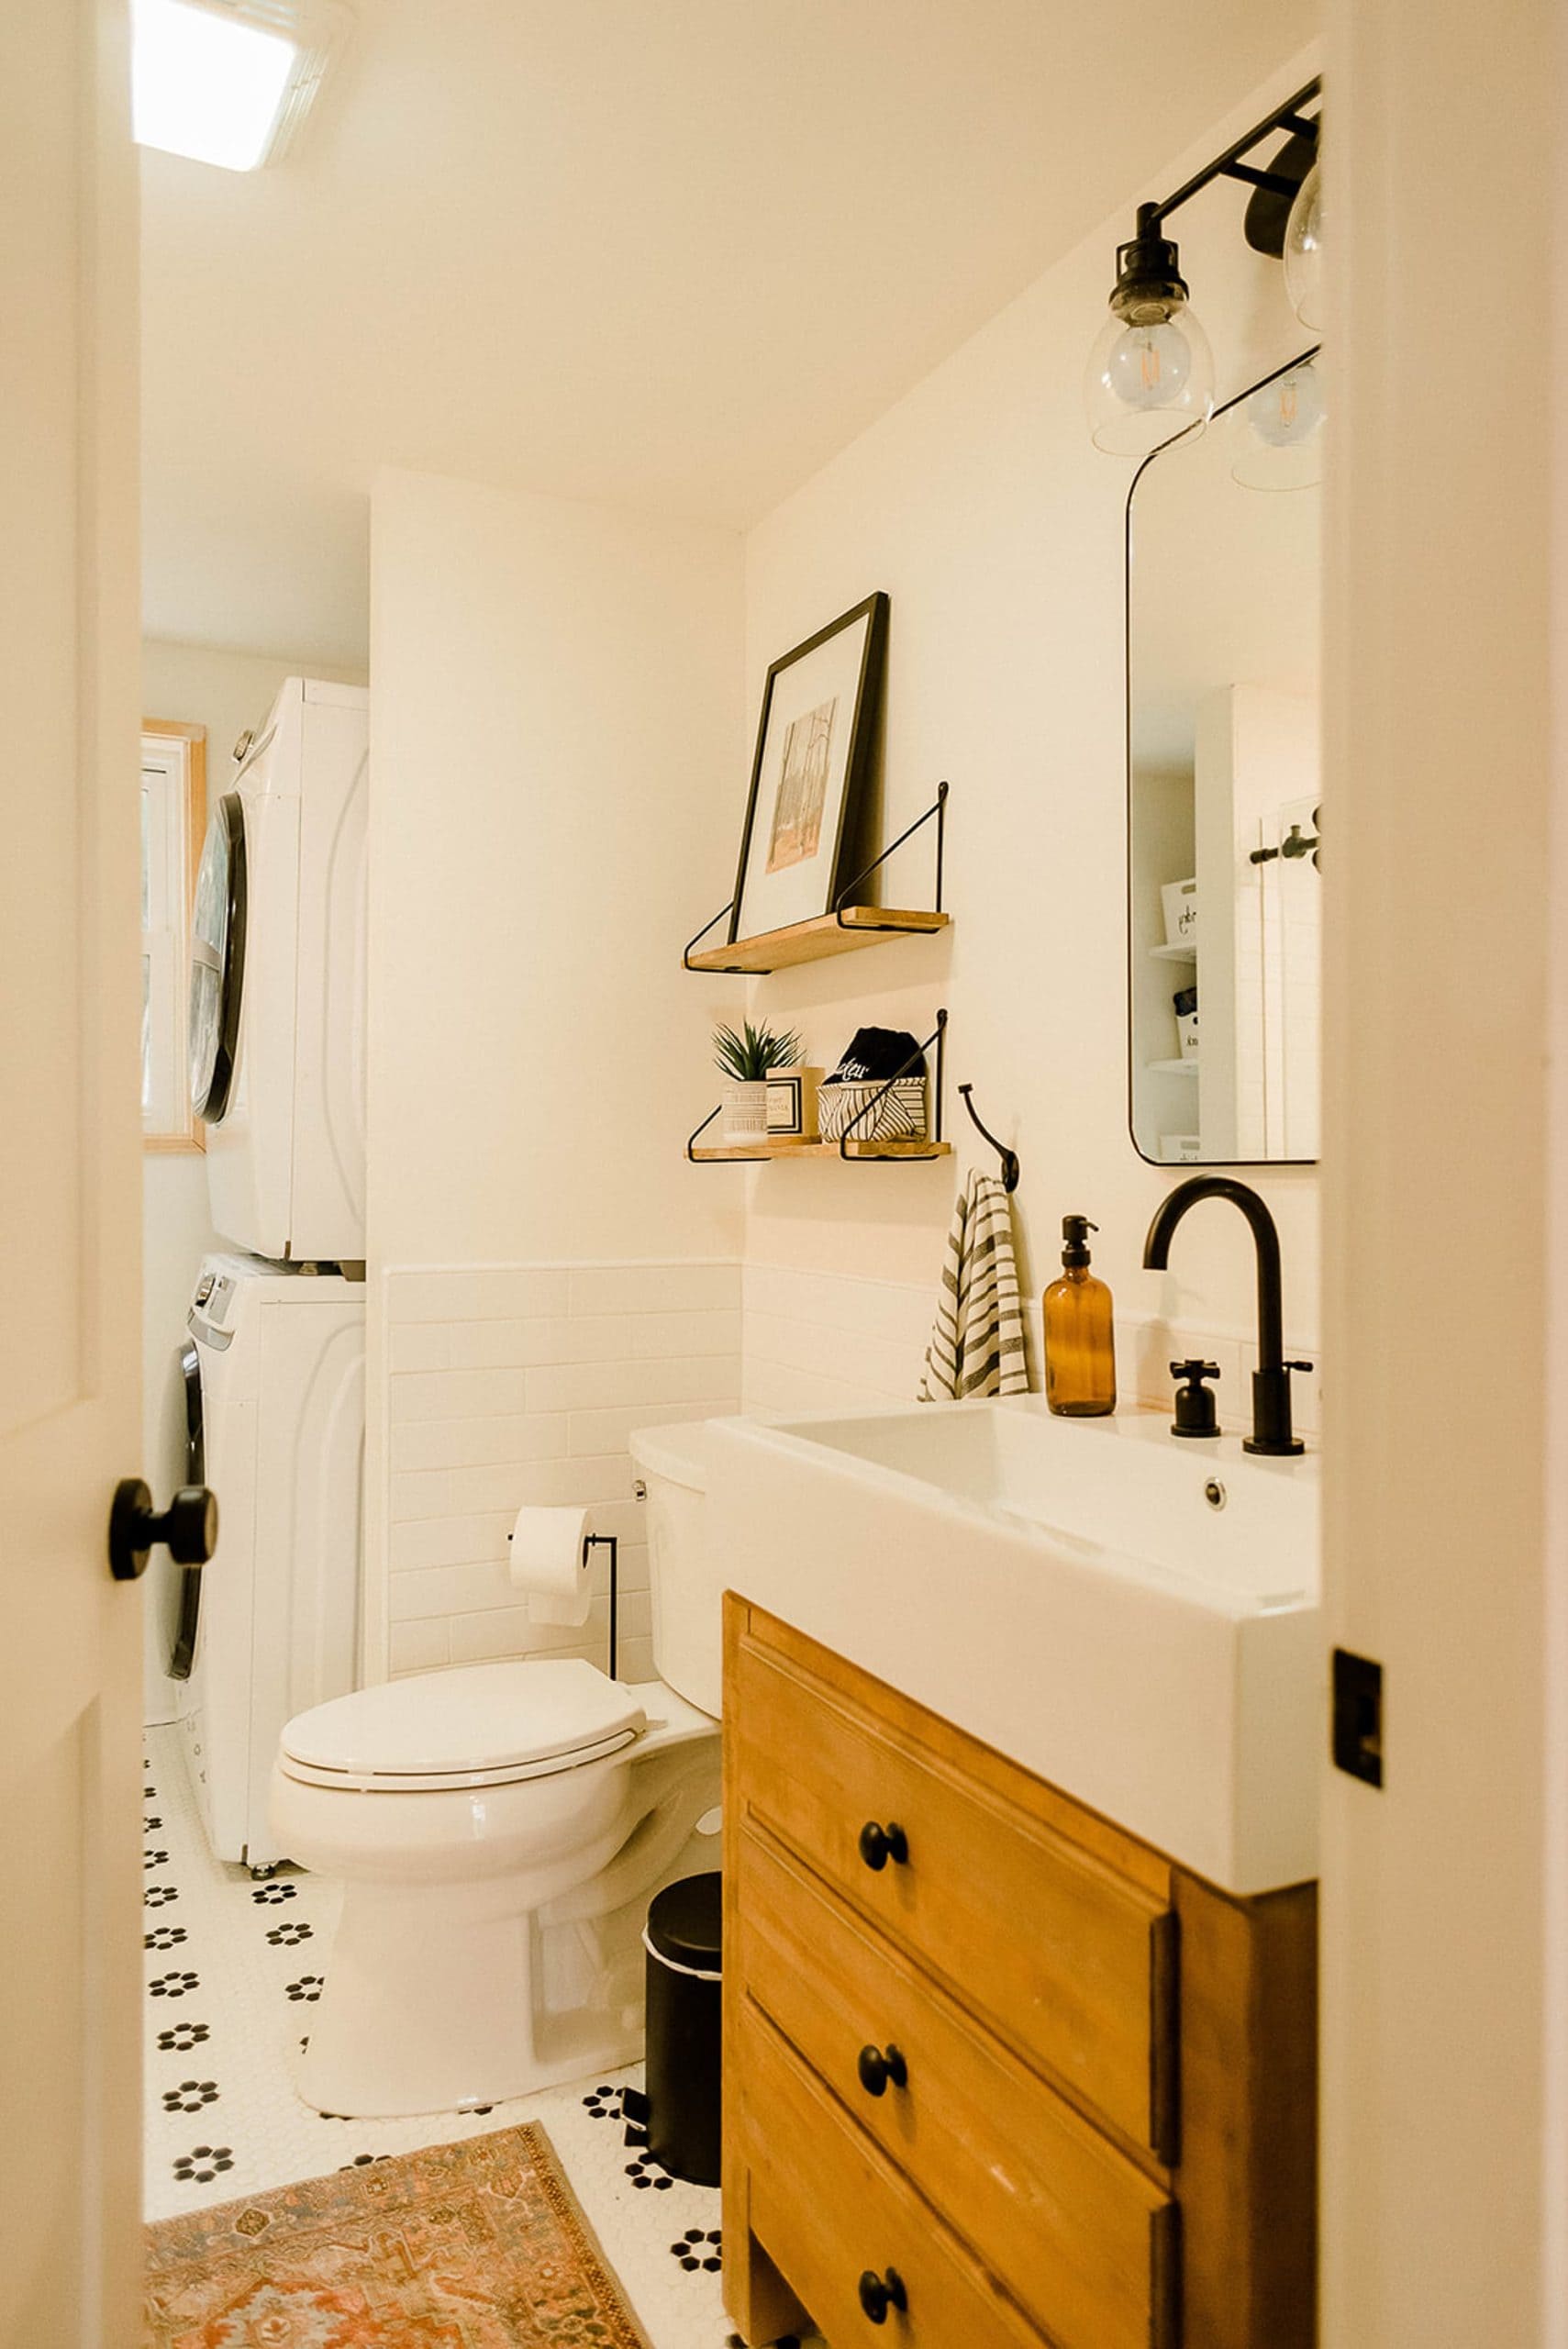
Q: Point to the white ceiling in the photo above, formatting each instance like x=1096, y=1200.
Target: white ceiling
x=675, y=252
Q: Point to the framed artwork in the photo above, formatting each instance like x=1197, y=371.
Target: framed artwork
x=814, y=746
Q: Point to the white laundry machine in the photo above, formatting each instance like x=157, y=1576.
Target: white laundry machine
x=278, y=983
x=275, y=1413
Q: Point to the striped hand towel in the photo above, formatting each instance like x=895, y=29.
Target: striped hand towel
x=977, y=1338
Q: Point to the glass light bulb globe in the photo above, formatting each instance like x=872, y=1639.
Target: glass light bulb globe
x=1148, y=380
x=1303, y=251
x=1148, y=366
x=1278, y=432
x=1288, y=408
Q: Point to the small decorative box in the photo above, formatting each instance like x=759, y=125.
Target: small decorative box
x=792, y=1102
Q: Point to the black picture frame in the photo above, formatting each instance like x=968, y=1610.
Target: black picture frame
x=873, y=610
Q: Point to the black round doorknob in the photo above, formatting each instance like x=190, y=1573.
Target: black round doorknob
x=880, y=2293
x=879, y=1844
x=189, y=1526
x=878, y=2066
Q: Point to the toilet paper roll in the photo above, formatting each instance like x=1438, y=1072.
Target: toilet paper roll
x=548, y=1560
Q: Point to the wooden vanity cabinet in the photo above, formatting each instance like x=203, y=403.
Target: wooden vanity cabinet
x=996, y=2072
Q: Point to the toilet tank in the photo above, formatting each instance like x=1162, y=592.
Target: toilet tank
x=686, y=1583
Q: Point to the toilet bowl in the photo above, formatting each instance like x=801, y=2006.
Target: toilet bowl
x=499, y=1831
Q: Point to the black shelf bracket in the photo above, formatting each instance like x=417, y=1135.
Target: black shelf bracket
x=937, y=1039
x=732, y=970
x=938, y=810
x=694, y=1139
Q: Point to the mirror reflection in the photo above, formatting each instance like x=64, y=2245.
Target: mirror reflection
x=1225, y=876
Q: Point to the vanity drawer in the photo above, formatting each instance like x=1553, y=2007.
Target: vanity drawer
x=1072, y=1962
x=827, y=2208
x=1072, y=2228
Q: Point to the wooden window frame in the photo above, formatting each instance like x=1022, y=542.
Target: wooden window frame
x=190, y=1133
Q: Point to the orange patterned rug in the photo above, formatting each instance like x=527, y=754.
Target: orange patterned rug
x=477, y=2246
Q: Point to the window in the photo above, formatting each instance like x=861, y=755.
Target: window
x=174, y=816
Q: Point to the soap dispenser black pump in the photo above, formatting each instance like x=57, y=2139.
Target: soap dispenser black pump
x=1080, y=1340
x=1194, y=1404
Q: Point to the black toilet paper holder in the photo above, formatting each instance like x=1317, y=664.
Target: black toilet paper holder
x=610, y=1543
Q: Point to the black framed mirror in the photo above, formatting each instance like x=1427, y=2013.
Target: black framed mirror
x=1224, y=576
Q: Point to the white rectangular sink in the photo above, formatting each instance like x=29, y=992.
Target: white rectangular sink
x=1133, y=1615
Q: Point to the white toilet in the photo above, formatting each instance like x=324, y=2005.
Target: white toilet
x=499, y=1831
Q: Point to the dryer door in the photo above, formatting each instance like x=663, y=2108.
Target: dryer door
x=218, y=959
x=184, y=1648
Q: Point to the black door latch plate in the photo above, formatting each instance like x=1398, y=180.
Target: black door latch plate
x=1358, y=1717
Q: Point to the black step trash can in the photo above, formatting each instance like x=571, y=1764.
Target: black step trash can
x=683, y=1939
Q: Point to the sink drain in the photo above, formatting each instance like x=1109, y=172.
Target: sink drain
x=1214, y=1493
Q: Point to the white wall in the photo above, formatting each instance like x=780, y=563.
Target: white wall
x=559, y=746
x=980, y=505
x=225, y=692
x=556, y=745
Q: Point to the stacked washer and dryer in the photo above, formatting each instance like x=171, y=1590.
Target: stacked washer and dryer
x=274, y=1360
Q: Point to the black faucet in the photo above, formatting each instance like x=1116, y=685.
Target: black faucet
x=1271, y=1380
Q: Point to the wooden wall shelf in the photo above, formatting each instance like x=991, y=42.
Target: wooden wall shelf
x=838, y=932
x=813, y=942
x=723, y=1154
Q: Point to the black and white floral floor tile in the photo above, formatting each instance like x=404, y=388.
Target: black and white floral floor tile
x=233, y=1968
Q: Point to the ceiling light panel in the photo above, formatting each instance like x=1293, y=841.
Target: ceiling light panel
x=230, y=82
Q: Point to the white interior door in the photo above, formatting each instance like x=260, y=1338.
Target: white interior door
x=70, y=1180
x=1441, y=1455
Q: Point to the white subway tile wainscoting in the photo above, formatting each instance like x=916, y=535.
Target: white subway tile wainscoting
x=523, y=1383
x=823, y=1342
x=515, y=1383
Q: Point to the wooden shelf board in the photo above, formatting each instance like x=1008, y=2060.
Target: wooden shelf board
x=1172, y=1068
x=1174, y=953
x=813, y=942
x=794, y=1148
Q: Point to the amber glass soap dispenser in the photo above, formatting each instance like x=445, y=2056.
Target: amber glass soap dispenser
x=1080, y=1344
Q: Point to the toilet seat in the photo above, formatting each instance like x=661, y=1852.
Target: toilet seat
x=482, y=1725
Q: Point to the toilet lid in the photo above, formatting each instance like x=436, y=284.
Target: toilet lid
x=482, y=1723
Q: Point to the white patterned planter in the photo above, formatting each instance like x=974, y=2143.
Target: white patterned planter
x=746, y=1112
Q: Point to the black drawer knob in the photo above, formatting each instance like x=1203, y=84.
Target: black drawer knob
x=878, y=2066
x=880, y=2293
x=879, y=1844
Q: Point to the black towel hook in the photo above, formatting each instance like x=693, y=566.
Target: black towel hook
x=1010, y=1168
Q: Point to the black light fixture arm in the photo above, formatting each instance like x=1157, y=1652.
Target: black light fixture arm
x=1230, y=165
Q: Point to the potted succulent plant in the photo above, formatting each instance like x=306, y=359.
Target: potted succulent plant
x=746, y=1057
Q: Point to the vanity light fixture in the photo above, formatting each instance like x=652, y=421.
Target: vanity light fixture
x=230, y=82
x=1151, y=371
